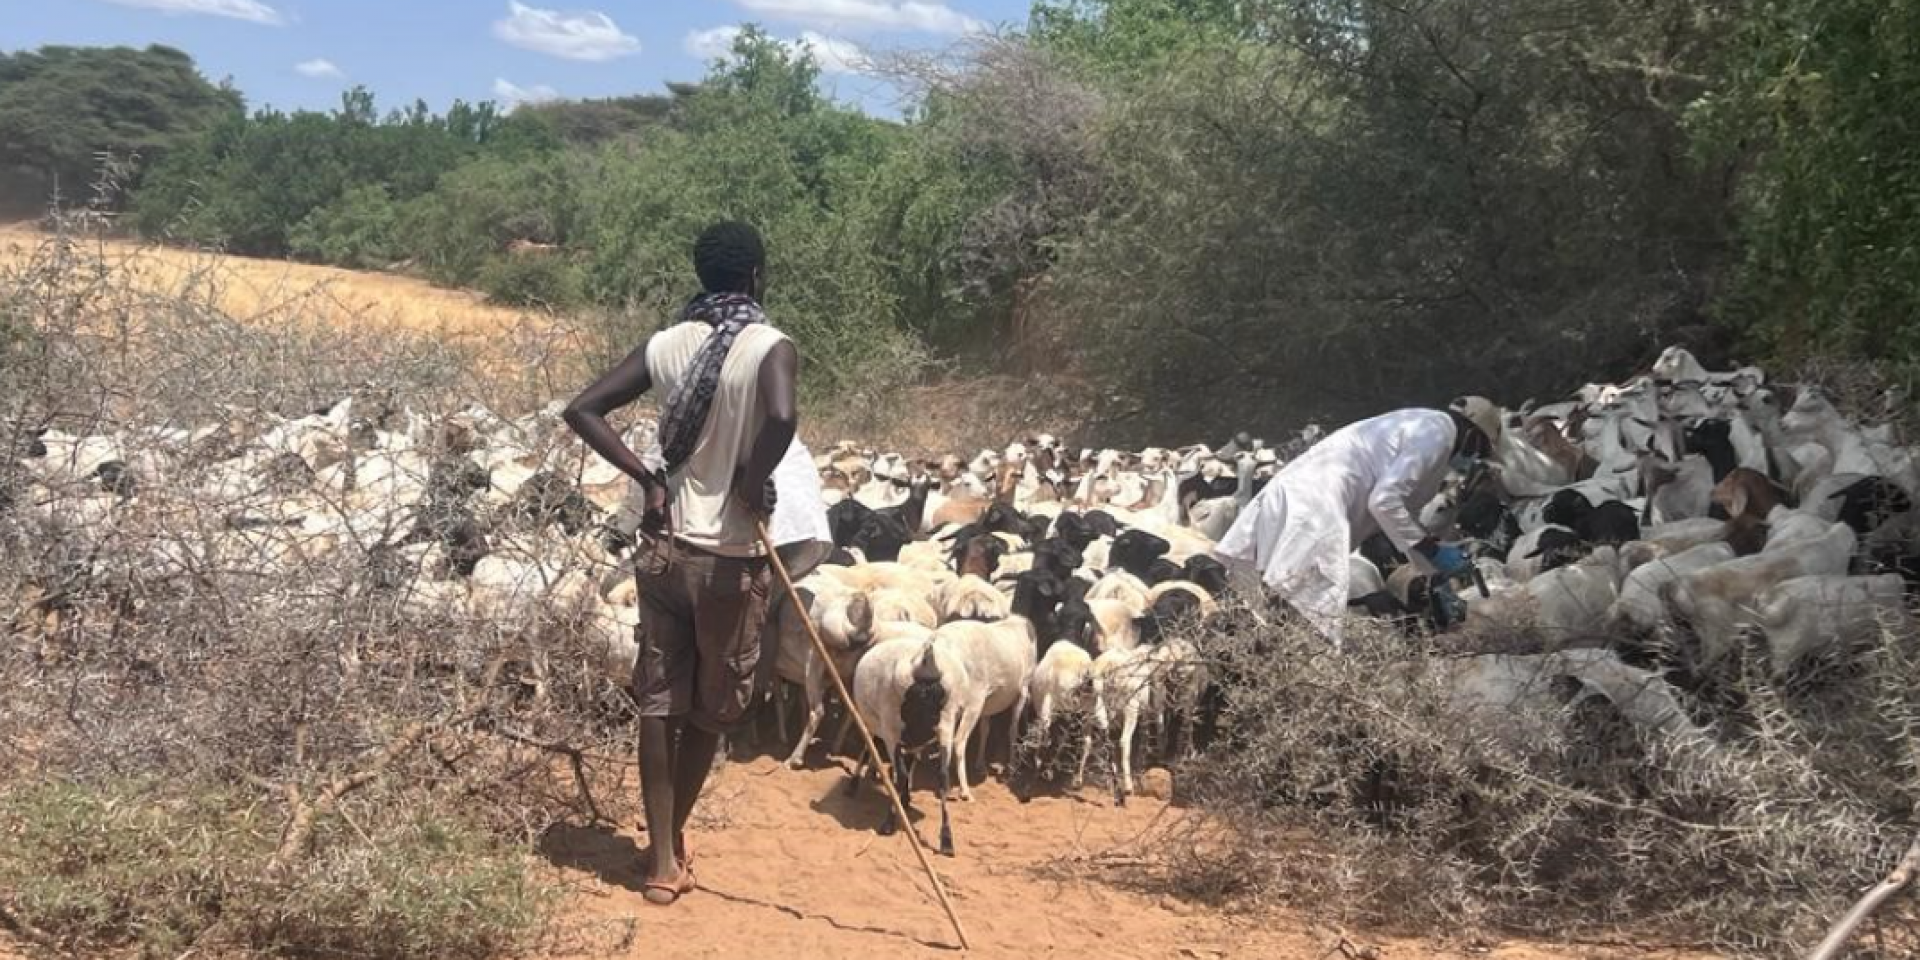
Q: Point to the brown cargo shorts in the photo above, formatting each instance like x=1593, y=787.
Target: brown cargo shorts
x=700, y=620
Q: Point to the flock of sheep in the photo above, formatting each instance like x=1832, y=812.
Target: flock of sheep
x=1642, y=533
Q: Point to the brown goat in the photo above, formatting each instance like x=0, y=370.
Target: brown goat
x=1007, y=483
x=949, y=469
x=1747, y=493
x=1747, y=497
x=1546, y=437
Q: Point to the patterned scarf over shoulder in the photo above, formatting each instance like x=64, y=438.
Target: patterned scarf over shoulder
x=684, y=417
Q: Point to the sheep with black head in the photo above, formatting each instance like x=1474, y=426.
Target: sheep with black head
x=911, y=692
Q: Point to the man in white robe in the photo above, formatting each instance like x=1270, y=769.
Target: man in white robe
x=1372, y=476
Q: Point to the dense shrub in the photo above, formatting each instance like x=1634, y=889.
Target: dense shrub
x=357, y=230
x=1829, y=209
x=537, y=280
x=474, y=212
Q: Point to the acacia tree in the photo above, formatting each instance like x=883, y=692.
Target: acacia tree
x=61, y=106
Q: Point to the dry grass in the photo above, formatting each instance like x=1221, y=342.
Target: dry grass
x=247, y=287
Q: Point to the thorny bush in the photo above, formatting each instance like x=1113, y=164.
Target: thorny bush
x=168, y=641
x=1413, y=784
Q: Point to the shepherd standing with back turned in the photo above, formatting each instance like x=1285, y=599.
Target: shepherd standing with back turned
x=727, y=422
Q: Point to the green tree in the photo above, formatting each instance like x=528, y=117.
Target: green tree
x=250, y=181
x=1817, y=103
x=59, y=106
x=757, y=142
x=475, y=211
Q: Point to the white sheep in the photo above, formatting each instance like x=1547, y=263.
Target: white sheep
x=610, y=631
x=971, y=598
x=1639, y=607
x=1718, y=602
x=1115, y=626
x=1059, y=686
x=1123, y=586
x=1573, y=601
x=1122, y=691
x=847, y=621
x=929, y=556
x=1810, y=615
x=869, y=576
x=1685, y=489
x=999, y=657
x=1682, y=535
x=911, y=692
x=1787, y=526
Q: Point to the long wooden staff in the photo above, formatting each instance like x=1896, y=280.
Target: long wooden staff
x=866, y=734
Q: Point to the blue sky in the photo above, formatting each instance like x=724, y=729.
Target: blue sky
x=303, y=53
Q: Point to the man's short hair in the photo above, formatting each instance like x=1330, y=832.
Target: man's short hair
x=726, y=255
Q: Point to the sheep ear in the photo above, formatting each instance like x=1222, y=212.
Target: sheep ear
x=1737, y=501
x=860, y=613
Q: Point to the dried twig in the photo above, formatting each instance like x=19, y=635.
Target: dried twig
x=1843, y=931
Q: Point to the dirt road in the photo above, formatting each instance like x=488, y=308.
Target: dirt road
x=792, y=867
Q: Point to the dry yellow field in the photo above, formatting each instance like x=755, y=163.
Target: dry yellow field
x=245, y=287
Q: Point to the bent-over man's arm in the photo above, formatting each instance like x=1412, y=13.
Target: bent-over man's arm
x=780, y=417
x=1389, y=501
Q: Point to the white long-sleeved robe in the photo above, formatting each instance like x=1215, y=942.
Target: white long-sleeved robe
x=1370, y=476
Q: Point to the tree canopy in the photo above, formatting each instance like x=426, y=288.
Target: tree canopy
x=1224, y=212
x=61, y=106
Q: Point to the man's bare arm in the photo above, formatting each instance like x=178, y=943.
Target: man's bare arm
x=780, y=417
x=587, y=414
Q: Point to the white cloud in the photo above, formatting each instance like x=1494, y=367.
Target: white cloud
x=251, y=10
x=914, y=15
x=710, y=44
x=832, y=54
x=513, y=95
x=319, y=69
x=575, y=35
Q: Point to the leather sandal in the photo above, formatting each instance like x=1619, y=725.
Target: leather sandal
x=664, y=893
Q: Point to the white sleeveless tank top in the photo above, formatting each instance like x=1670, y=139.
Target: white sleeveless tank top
x=704, y=512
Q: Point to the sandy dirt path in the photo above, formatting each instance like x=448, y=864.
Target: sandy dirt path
x=791, y=867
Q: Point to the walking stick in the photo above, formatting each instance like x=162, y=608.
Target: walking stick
x=866, y=734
